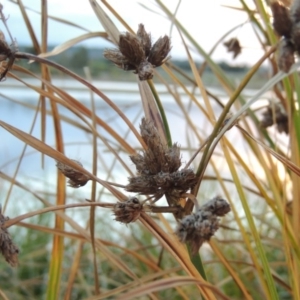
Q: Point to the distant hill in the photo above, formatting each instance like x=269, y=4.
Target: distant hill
x=77, y=57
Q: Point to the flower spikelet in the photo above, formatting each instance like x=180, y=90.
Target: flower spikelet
x=128, y=211
x=280, y=118
x=158, y=168
x=199, y=227
x=7, y=248
x=135, y=52
x=7, y=57
x=286, y=55
x=282, y=22
x=287, y=24
x=76, y=178
x=233, y=45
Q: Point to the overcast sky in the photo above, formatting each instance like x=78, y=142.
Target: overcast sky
x=207, y=21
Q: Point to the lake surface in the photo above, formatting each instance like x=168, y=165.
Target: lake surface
x=78, y=142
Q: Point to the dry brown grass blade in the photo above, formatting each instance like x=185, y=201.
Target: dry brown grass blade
x=233, y=274
x=133, y=284
x=281, y=158
x=82, y=233
x=150, y=108
x=164, y=284
x=33, y=37
x=107, y=23
x=83, y=109
x=55, y=18
x=44, y=13
x=73, y=271
x=20, y=158
x=120, y=19
x=70, y=43
x=199, y=81
x=44, y=148
x=4, y=297
x=25, y=216
x=94, y=187
x=177, y=250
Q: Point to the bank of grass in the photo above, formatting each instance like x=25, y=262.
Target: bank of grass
x=82, y=253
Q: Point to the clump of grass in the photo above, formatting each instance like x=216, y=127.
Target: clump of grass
x=255, y=252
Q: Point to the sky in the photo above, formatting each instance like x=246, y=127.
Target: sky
x=206, y=21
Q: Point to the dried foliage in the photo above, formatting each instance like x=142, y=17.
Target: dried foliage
x=160, y=173
x=137, y=53
x=128, y=211
x=233, y=45
x=8, y=249
x=202, y=225
x=76, y=179
x=275, y=113
x=158, y=168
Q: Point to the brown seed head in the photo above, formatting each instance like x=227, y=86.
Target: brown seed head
x=282, y=21
x=158, y=168
x=280, y=118
x=145, y=39
x=159, y=52
x=295, y=11
x=142, y=184
x=135, y=52
x=7, y=57
x=131, y=47
x=217, y=206
x=76, y=178
x=159, y=157
x=145, y=70
x=233, y=45
x=295, y=39
x=7, y=248
x=201, y=226
x=118, y=59
x=286, y=55
x=128, y=211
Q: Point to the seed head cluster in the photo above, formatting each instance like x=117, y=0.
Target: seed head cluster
x=202, y=225
x=6, y=57
x=7, y=248
x=158, y=168
x=287, y=24
x=128, y=211
x=233, y=45
x=275, y=113
x=136, y=52
x=76, y=179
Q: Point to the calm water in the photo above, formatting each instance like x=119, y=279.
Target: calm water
x=78, y=142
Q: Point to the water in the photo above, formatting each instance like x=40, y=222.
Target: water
x=78, y=142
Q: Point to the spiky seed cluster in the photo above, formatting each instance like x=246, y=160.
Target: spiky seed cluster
x=233, y=45
x=137, y=53
x=200, y=227
x=76, y=179
x=287, y=24
x=6, y=57
x=128, y=211
x=158, y=168
x=280, y=118
x=7, y=248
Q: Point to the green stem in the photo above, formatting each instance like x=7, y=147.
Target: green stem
x=162, y=112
